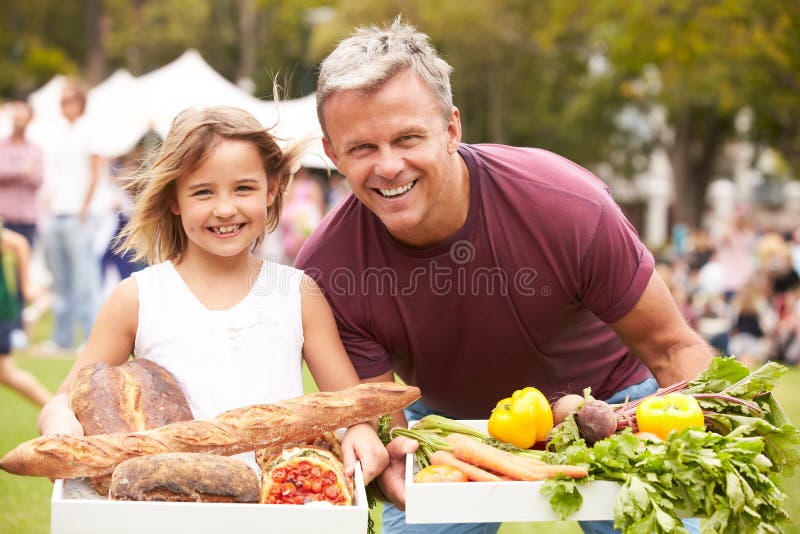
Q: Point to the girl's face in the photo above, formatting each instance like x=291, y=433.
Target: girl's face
x=223, y=203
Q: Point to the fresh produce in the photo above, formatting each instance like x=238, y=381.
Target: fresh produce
x=521, y=419
x=473, y=472
x=596, y=420
x=440, y=473
x=435, y=434
x=728, y=474
x=566, y=406
x=661, y=415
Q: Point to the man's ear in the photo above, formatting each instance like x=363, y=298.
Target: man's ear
x=326, y=145
x=454, y=131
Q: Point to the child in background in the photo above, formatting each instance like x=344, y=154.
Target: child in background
x=751, y=325
x=231, y=328
x=11, y=375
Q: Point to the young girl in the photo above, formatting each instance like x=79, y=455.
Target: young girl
x=231, y=328
x=11, y=375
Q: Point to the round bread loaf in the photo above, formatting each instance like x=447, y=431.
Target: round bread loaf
x=184, y=477
x=137, y=395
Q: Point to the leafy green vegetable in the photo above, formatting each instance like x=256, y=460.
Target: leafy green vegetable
x=728, y=475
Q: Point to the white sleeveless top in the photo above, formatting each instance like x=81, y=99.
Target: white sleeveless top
x=248, y=354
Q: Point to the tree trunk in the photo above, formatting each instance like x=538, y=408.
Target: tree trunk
x=692, y=155
x=247, y=44
x=96, y=60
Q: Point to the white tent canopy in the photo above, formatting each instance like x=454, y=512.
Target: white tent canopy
x=124, y=107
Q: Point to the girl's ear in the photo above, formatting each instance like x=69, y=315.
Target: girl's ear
x=174, y=208
x=272, y=190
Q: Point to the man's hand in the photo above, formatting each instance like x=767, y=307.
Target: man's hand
x=392, y=481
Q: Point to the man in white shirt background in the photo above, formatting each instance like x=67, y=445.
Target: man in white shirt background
x=72, y=173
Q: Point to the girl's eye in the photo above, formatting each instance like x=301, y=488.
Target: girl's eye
x=201, y=192
x=244, y=188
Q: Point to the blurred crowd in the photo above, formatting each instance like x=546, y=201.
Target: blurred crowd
x=738, y=285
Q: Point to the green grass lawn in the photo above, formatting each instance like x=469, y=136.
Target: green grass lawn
x=25, y=501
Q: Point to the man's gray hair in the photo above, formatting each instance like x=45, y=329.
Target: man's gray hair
x=372, y=55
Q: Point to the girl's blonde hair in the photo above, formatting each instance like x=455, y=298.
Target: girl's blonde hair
x=154, y=233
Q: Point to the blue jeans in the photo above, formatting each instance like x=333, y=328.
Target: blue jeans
x=75, y=269
x=394, y=519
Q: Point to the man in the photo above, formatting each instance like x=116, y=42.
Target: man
x=20, y=179
x=70, y=185
x=474, y=270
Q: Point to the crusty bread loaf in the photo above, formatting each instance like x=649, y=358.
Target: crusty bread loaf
x=232, y=432
x=137, y=395
x=184, y=477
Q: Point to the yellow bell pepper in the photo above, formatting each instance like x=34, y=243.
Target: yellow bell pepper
x=673, y=411
x=521, y=419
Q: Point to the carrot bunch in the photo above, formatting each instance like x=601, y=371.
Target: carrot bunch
x=443, y=441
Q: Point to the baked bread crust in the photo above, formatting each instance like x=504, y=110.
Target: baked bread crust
x=232, y=432
x=137, y=395
x=184, y=477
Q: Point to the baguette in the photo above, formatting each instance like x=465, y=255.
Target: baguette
x=232, y=432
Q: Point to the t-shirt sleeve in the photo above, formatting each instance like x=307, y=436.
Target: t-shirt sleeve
x=369, y=357
x=617, y=266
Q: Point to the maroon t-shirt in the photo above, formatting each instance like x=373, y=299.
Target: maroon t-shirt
x=519, y=296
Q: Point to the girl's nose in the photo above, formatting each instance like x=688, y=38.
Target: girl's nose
x=224, y=209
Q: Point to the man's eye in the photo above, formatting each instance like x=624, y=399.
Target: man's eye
x=359, y=148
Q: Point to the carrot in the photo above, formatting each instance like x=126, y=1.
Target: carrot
x=505, y=463
x=473, y=472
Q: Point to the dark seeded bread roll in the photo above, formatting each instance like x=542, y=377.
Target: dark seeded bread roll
x=184, y=477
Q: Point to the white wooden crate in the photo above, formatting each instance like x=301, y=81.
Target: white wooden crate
x=75, y=509
x=507, y=501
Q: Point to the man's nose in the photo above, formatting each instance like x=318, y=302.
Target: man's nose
x=389, y=163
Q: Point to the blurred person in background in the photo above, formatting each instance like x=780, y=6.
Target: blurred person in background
x=735, y=252
x=73, y=171
x=122, y=171
x=21, y=168
x=10, y=375
x=303, y=211
x=752, y=324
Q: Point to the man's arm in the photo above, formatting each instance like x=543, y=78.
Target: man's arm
x=658, y=335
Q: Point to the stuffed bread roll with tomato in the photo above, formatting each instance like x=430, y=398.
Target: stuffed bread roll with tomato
x=300, y=475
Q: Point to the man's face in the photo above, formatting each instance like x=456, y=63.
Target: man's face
x=72, y=104
x=399, y=157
